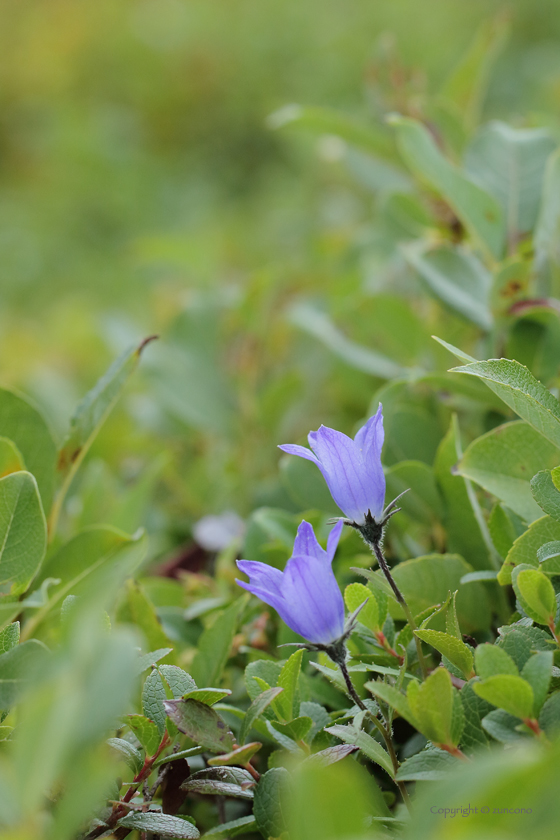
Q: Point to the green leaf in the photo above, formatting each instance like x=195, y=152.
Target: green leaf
x=449, y=646
x=432, y=705
x=233, y=828
x=11, y=459
x=165, y=682
x=502, y=528
x=22, y=423
x=192, y=751
x=428, y=765
x=221, y=781
x=265, y=669
x=128, y=753
x=142, y=613
x=354, y=595
x=492, y=660
x=524, y=549
x=9, y=637
x=463, y=531
x=148, y=659
x=162, y=824
x=332, y=754
x=255, y=710
x=510, y=163
x=538, y=673
x=201, y=723
x=475, y=710
x=288, y=680
x=521, y=642
x=240, y=755
x=427, y=581
x=369, y=138
x=268, y=806
x=504, y=460
x=536, y=595
x=23, y=531
x=467, y=84
x=305, y=485
x=368, y=745
x=547, y=251
x=215, y=644
x=146, y=731
x=480, y=212
x=456, y=277
x=546, y=493
x=207, y=695
x=422, y=500
x=550, y=551
x=508, y=692
x=94, y=409
x=16, y=669
x=362, y=358
x=393, y=698
x=549, y=718
x=503, y=727
x=524, y=394
x=296, y=729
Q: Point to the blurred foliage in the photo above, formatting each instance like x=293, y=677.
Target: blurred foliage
x=295, y=197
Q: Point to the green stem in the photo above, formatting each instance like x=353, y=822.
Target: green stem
x=400, y=598
x=385, y=732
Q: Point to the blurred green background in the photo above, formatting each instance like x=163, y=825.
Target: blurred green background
x=142, y=191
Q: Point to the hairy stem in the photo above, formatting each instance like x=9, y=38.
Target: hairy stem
x=376, y=547
x=385, y=731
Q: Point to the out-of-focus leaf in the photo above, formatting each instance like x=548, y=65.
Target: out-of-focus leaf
x=509, y=163
x=162, y=824
x=305, y=484
x=96, y=407
x=504, y=460
x=466, y=86
x=546, y=239
x=456, y=277
x=22, y=423
x=422, y=501
x=127, y=752
x=201, y=723
x=11, y=459
x=463, y=531
x=148, y=659
x=16, y=668
x=23, y=531
x=215, y=643
x=480, y=212
x=369, y=138
x=319, y=325
x=143, y=614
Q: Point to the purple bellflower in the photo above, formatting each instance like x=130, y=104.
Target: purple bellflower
x=305, y=594
x=351, y=468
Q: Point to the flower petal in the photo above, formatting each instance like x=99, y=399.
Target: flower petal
x=332, y=542
x=344, y=472
x=264, y=581
x=306, y=543
x=370, y=437
x=302, y=451
x=313, y=604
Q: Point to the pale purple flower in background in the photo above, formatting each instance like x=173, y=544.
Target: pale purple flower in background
x=351, y=468
x=305, y=595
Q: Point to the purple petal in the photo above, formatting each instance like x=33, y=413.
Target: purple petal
x=302, y=451
x=370, y=437
x=345, y=474
x=264, y=581
x=332, y=542
x=313, y=604
x=306, y=543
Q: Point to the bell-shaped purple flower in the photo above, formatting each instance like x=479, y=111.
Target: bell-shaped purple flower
x=305, y=595
x=351, y=468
